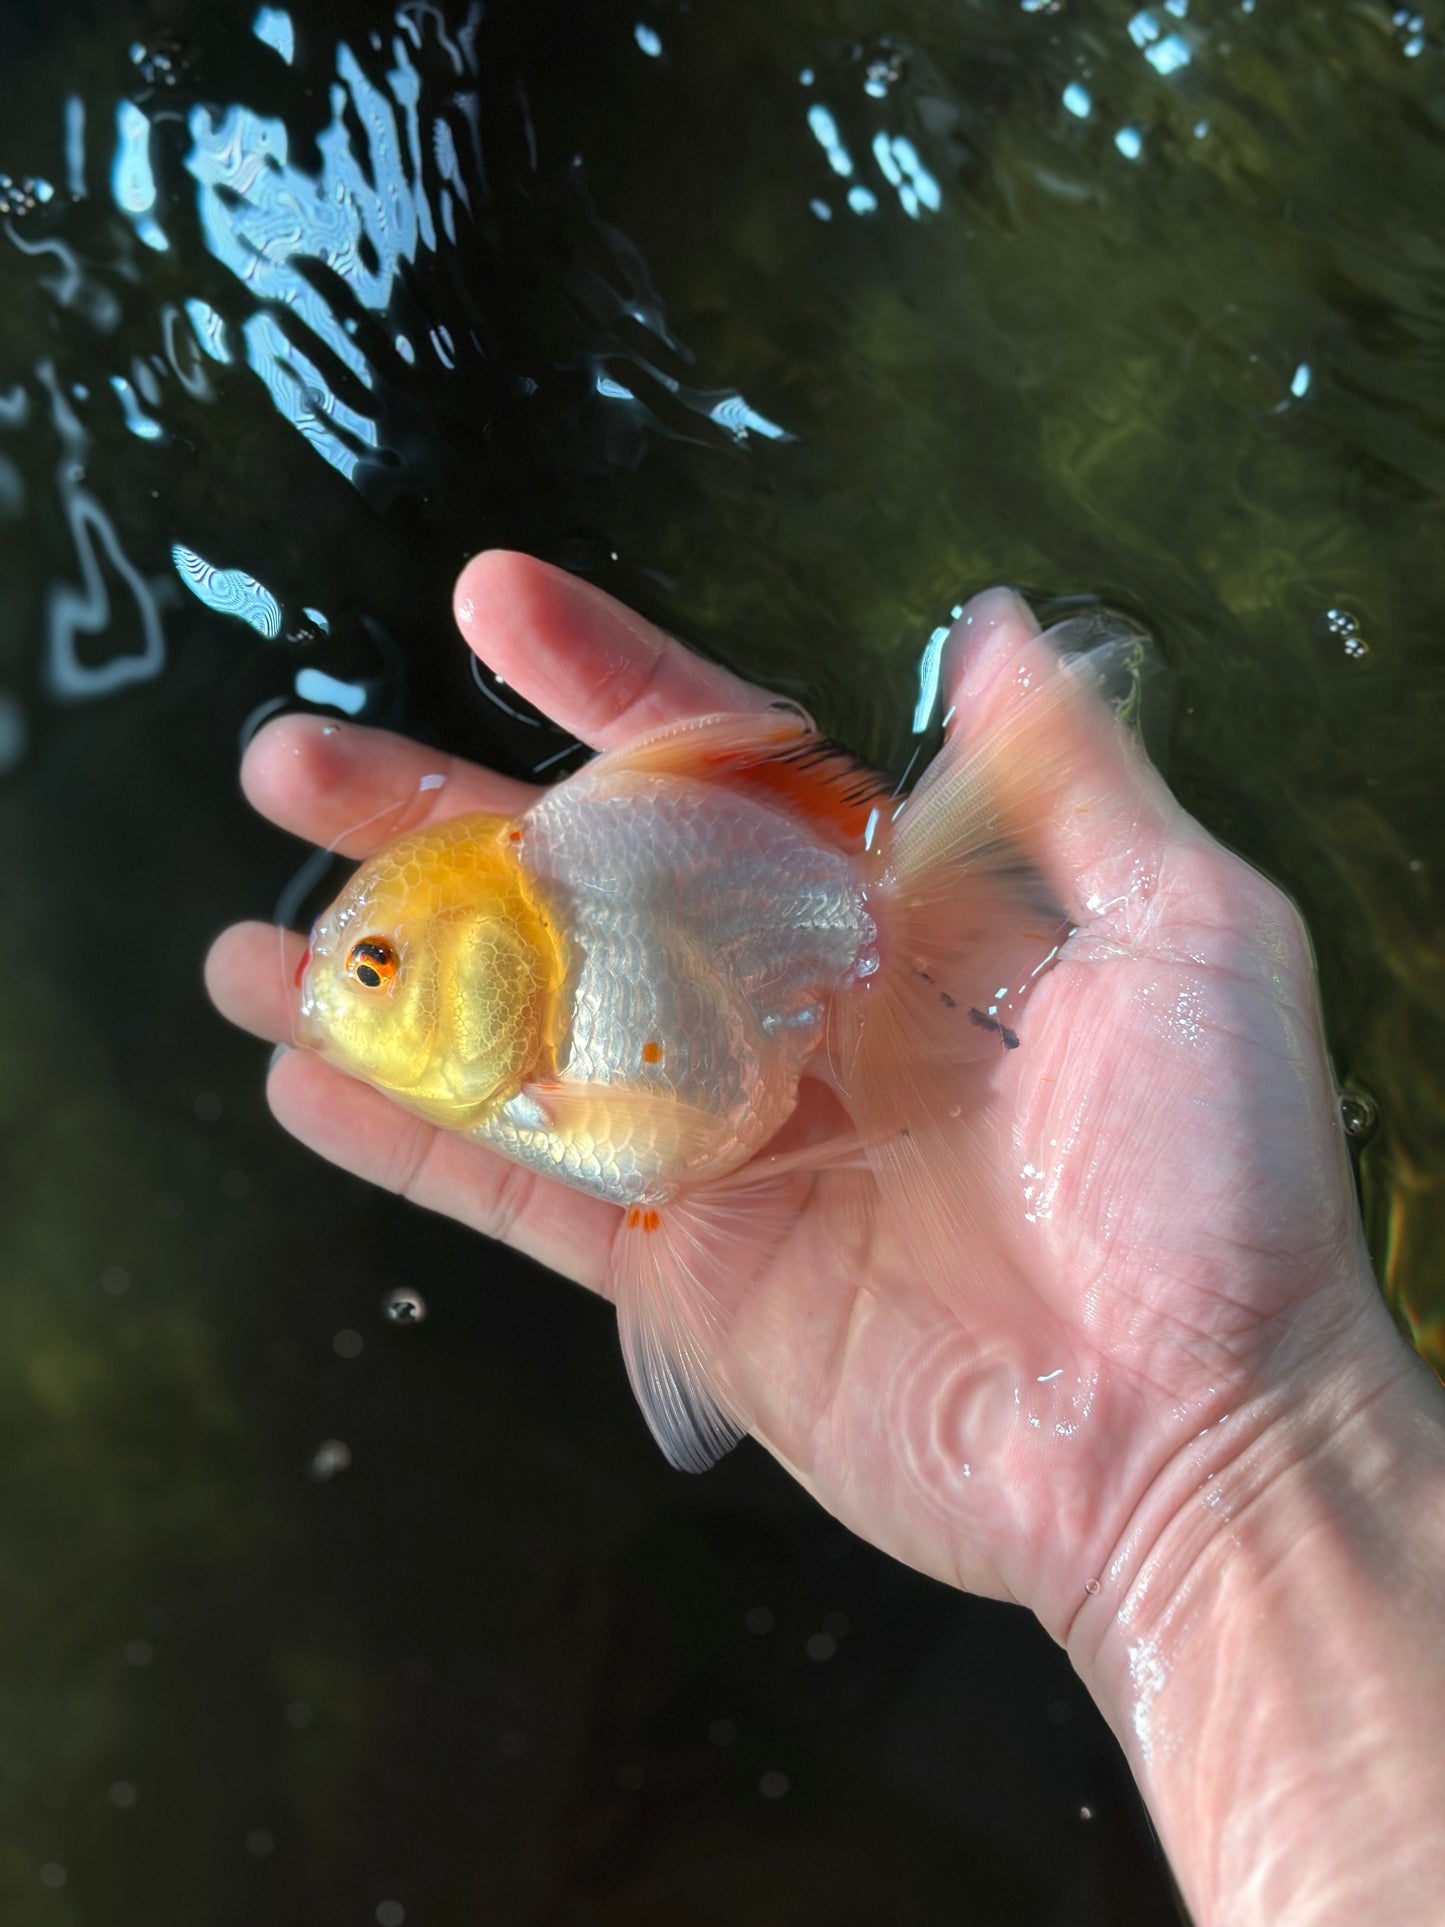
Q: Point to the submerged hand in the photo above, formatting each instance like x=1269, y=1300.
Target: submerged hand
x=1161, y=1200
x=1166, y=1306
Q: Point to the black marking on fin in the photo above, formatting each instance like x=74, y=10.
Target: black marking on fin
x=856, y=782
x=985, y=1022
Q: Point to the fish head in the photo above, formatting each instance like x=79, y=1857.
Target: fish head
x=434, y=974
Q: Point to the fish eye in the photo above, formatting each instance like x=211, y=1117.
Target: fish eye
x=372, y=962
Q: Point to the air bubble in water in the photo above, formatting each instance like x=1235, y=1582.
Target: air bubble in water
x=329, y=1458
x=404, y=1307
x=1360, y=1116
x=1342, y=626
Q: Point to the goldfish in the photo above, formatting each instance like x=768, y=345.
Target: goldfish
x=626, y=986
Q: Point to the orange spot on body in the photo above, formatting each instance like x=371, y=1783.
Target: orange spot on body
x=514, y=836
x=649, y=1221
x=652, y=1051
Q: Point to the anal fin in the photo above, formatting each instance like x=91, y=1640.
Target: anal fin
x=687, y=1270
x=672, y=1338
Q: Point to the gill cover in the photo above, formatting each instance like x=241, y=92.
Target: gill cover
x=469, y=1010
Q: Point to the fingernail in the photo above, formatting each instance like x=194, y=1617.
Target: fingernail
x=990, y=609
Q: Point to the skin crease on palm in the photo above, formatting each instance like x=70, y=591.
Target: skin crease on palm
x=1168, y=1258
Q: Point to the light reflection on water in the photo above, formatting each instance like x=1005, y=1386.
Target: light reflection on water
x=312, y=250
x=229, y=592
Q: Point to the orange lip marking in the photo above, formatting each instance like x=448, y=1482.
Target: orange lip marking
x=301, y=968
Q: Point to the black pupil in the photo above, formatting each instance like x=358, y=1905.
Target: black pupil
x=367, y=957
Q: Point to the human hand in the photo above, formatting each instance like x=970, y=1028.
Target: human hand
x=1164, y=1227
x=1163, y=1306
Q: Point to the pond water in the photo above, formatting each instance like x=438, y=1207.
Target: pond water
x=792, y=326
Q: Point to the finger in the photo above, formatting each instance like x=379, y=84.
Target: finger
x=249, y=974
x=356, y=1127
x=1074, y=785
x=251, y=978
x=592, y=665
x=351, y=789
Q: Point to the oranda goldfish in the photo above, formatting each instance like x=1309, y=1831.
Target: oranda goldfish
x=623, y=987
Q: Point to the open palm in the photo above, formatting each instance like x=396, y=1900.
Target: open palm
x=1157, y=1197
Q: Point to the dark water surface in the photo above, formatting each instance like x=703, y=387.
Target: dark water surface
x=793, y=336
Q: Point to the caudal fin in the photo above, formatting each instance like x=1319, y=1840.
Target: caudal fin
x=967, y=925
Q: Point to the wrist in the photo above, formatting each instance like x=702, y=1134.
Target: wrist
x=1265, y=1640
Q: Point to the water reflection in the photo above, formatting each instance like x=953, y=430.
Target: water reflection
x=272, y=26
x=85, y=610
x=229, y=591
x=315, y=245
x=132, y=181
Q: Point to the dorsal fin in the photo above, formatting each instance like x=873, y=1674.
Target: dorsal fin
x=775, y=755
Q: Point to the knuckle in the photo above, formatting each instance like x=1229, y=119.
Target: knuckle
x=406, y=1165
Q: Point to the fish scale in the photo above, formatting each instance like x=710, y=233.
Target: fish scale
x=684, y=937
